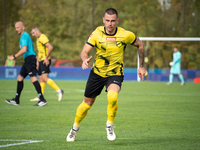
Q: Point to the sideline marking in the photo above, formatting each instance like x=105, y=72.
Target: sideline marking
x=22, y=142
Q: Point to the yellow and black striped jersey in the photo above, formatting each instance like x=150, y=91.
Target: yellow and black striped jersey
x=42, y=49
x=110, y=50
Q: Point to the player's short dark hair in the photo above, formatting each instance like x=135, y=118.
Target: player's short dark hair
x=176, y=47
x=111, y=11
x=35, y=27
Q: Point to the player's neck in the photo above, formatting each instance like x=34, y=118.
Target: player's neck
x=112, y=32
x=39, y=35
x=21, y=33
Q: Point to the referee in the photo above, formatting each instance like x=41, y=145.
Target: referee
x=28, y=68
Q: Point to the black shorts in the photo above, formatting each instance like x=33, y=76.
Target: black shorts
x=96, y=83
x=29, y=67
x=43, y=68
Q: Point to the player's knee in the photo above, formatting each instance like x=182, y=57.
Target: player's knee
x=33, y=79
x=112, y=98
x=40, y=79
x=44, y=79
x=20, y=78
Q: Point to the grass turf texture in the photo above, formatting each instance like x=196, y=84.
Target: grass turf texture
x=151, y=116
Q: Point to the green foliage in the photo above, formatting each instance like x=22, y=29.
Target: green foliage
x=160, y=54
x=68, y=23
x=151, y=116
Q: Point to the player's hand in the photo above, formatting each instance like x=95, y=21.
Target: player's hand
x=141, y=72
x=86, y=63
x=37, y=65
x=46, y=61
x=11, y=58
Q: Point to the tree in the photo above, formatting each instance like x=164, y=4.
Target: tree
x=68, y=24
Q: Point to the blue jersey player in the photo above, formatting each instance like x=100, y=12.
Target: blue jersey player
x=28, y=68
x=176, y=67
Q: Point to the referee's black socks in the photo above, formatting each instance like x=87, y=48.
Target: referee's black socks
x=20, y=85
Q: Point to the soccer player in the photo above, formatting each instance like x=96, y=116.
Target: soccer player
x=176, y=67
x=28, y=68
x=110, y=42
x=44, y=61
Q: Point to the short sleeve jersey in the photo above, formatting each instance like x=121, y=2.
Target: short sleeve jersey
x=25, y=40
x=110, y=50
x=42, y=49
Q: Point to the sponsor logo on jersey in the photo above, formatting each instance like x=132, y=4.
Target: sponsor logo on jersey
x=111, y=38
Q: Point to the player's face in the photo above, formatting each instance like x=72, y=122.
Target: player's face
x=34, y=33
x=110, y=22
x=175, y=49
x=19, y=28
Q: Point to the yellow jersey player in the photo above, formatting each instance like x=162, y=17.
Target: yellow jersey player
x=110, y=42
x=44, y=62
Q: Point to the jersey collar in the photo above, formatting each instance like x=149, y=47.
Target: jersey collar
x=110, y=34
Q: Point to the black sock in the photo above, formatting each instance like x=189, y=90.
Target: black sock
x=38, y=89
x=20, y=86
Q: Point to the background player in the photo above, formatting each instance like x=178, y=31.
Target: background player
x=44, y=60
x=176, y=67
x=10, y=63
x=29, y=66
x=110, y=42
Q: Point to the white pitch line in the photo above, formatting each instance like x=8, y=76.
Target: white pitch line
x=79, y=90
x=24, y=142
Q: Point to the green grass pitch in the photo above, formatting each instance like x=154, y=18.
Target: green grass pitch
x=151, y=116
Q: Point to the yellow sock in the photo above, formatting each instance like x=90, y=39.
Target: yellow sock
x=52, y=84
x=81, y=112
x=42, y=87
x=112, y=106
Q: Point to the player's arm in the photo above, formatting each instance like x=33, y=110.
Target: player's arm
x=140, y=46
x=84, y=55
x=37, y=62
x=177, y=59
x=50, y=48
x=21, y=52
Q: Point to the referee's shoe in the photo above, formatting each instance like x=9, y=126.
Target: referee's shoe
x=41, y=103
x=12, y=101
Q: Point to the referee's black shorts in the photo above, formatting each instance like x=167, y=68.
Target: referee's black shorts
x=29, y=67
x=43, y=68
x=96, y=83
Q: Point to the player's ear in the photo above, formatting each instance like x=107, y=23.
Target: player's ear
x=117, y=20
x=103, y=19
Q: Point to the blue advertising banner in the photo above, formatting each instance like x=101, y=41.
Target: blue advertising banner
x=77, y=73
